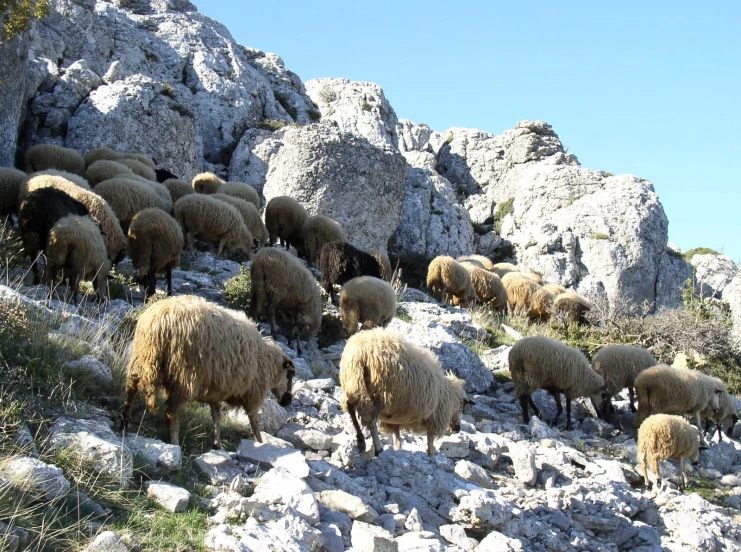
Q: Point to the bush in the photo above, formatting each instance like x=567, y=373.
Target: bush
x=503, y=209
x=238, y=290
x=17, y=16
x=698, y=251
x=599, y=236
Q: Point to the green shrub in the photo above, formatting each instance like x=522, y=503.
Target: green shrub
x=315, y=115
x=17, y=16
x=238, y=290
x=606, y=174
x=365, y=106
x=599, y=236
x=272, y=125
x=331, y=330
x=503, y=209
x=698, y=251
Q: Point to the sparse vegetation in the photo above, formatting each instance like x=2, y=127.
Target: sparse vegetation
x=331, y=330
x=365, y=106
x=599, y=236
x=606, y=174
x=17, y=16
x=272, y=125
x=238, y=290
x=314, y=115
x=503, y=209
x=698, y=251
x=401, y=315
x=573, y=200
x=282, y=99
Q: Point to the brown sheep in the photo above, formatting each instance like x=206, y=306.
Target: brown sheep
x=446, y=278
x=285, y=218
x=318, y=231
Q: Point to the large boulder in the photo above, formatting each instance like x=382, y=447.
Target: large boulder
x=674, y=272
x=14, y=81
x=732, y=295
x=713, y=273
x=342, y=176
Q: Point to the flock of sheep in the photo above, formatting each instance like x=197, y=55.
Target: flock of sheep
x=85, y=213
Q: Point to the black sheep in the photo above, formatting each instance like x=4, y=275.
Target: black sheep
x=340, y=262
x=163, y=175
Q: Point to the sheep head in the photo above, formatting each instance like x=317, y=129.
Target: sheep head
x=282, y=391
x=458, y=401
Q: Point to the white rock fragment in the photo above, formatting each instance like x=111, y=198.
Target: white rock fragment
x=170, y=497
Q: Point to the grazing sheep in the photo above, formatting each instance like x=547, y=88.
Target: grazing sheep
x=166, y=202
x=101, y=154
x=488, y=286
x=281, y=283
x=386, y=378
x=77, y=180
x=535, y=277
x=76, y=247
x=285, y=218
x=554, y=289
x=383, y=261
x=340, y=262
x=51, y=156
x=141, y=158
x=500, y=269
x=163, y=175
x=543, y=363
x=155, y=245
x=11, y=181
x=127, y=198
x=520, y=292
x=725, y=415
x=105, y=170
x=367, y=301
x=480, y=260
x=250, y=216
x=212, y=221
x=39, y=212
x=139, y=168
x=114, y=238
x=663, y=437
x=619, y=365
x=571, y=308
x=206, y=183
x=664, y=389
x=541, y=305
x=178, y=188
x=318, y=231
x=446, y=278
x=242, y=191
x=191, y=349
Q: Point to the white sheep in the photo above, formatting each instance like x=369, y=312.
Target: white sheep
x=619, y=365
x=155, y=245
x=51, y=156
x=367, y=301
x=662, y=437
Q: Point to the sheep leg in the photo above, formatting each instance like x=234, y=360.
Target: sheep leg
x=377, y=446
x=656, y=468
x=169, y=282
x=35, y=270
x=430, y=444
x=532, y=405
x=171, y=413
x=698, y=424
x=271, y=310
x=523, y=405
x=356, y=425
x=631, y=394
x=131, y=389
x=645, y=472
x=255, y=425
x=684, y=482
x=397, y=438
x=216, y=417
x=151, y=284
x=568, y=413
x=559, y=407
x=444, y=295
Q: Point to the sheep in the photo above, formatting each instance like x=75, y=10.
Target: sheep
x=663, y=389
x=38, y=213
x=250, y=216
x=571, y=308
x=242, y=191
x=367, y=301
x=212, y=221
x=618, y=365
x=101, y=154
x=340, y=262
x=127, y=198
x=663, y=437
x=51, y=156
x=155, y=245
x=320, y=230
x=100, y=211
x=11, y=181
x=141, y=158
x=166, y=201
x=542, y=363
x=541, y=304
x=446, y=278
x=178, y=188
x=206, y=183
x=488, y=286
x=280, y=282
x=76, y=247
x=137, y=167
x=105, y=170
x=77, y=180
x=191, y=349
x=725, y=415
x=521, y=291
x=483, y=262
x=384, y=262
x=163, y=175
x=386, y=378
x=554, y=289
x=535, y=277
x=285, y=218
x=500, y=269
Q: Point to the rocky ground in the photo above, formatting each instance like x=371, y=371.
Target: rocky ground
x=498, y=485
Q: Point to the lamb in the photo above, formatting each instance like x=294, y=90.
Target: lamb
x=619, y=365
x=155, y=245
x=280, y=282
x=39, y=212
x=571, y=308
x=178, y=188
x=542, y=363
x=663, y=437
x=191, y=349
x=206, y=183
x=101, y=154
x=51, y=156
x=99, y=210
x=250, y=216
x=726, y=413
x=554, y=289
x=483, y=262
x=11, y=181
x=320, y=230
x=242, y=191
x=105, y=170
x=139, y=168
x=367, y=301
x=212, y=221
x=285, y=218
x=500, y=269
x=76, y=247
x=340, y=262
x=664, y=389
x=488, y=286
x=127, y=198
x=383, y=261
x=386, y=378
x=447, y=278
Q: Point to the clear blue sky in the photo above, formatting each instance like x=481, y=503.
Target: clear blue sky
x=647, y=88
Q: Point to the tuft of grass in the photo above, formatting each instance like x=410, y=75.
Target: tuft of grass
x=503, y=209
x=698, y=251
x=238, y=290
x=331, y=330
x=502, y=376
x=401, y=315
x=573, y=200
x=365, y=106
x=674, y=253
x=314, y=115
x=282, y=99
x=606, y=174
x=599, y=236
x=272, y=125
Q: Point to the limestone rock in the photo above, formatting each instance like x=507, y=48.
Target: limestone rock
x=107, y=541
x=346, y=503
x=272, y=416
x=14, y=63
x=170, y=497
x=30, y=473
x=732, y=295
x=674, y=272
x=281, y=486
x=696, y=524
x=713, y=273
x=473, y=473
x=456, y=534
x=217, y=467
x=371, y=538
x=497, y=542
x=416, y=137
x=481, y=510
x=157, y=458
x=265, y=454
x=523, y=459
x=89, y=367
